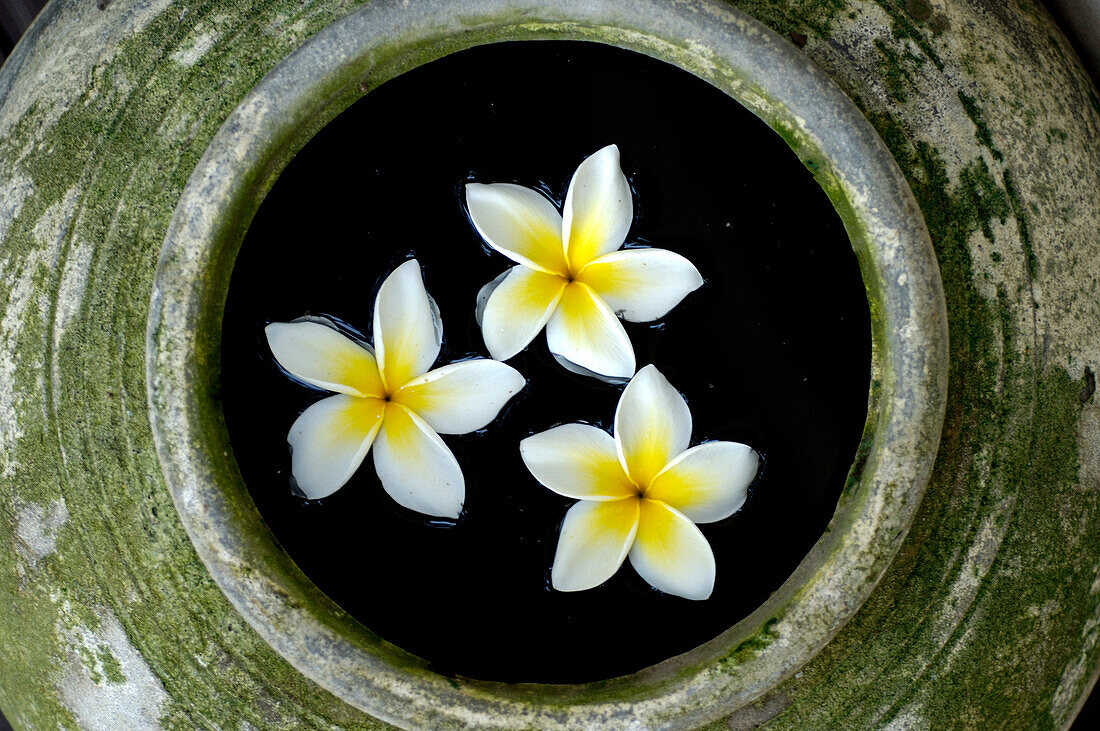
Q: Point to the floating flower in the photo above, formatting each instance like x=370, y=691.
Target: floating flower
x=641, y=492
x=387, y=397
x=570, y=275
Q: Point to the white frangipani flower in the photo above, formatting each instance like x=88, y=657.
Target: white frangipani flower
x=641, y=492
x=570, y=275
x=387, y=397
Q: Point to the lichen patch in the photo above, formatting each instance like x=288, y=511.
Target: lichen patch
x=1077, y=673
x=70, y=291
x=51, y=226
x=15, y=188
x=48, y=81
x=975, y=566
x=20, y=278
x=190, y=54
x=106, y=684
x=1080, y=669
x=36, y=529
x=909, y=718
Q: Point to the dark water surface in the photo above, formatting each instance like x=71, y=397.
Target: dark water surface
x=774, y=351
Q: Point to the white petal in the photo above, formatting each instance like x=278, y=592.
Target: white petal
x=584, y=330
x=486, y=292
x=329, y=441
x=407, y=331
x=577, y=461
x=321, y=356
x=595, y=539
x=461, y=397
x=652, y=425
x=598, y=208
x=416, y=468
x=671, y=553
x=574, y=368
x=517, y=310
x=519, y=223
x=708, y=482
x=641, y=284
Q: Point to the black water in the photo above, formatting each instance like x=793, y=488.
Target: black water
x=774, y=351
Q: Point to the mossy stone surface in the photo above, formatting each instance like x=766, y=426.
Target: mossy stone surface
x=739, y=56
x=988, y=614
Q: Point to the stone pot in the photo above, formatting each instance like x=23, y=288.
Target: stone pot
x=958, y=583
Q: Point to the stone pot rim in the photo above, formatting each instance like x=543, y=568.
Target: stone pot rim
x=708, y=38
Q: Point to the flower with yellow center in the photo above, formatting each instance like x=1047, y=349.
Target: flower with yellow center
x=387, y=397
x=641, y=492
x=570, y=276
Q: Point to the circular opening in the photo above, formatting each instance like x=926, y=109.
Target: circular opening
x=734, y=54
x=384, y=180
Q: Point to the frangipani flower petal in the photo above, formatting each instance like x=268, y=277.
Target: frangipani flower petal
x=652, y=425
x=708, y=482
x=671, y=553
x=599, y=208
x=461, y=397
x=323, y=357
x=518, y=309
x=407, y=331
x=577, y=461
x=519, y=223
x=416, y=468
x=486, y=292
x=574, y=368
x=595, y=538
x=641, y=284
x=584, y=330
x=329, y=441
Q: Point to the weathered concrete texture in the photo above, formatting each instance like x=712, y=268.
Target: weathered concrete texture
x=738, y=55
x=108, y=618
x=990, y=614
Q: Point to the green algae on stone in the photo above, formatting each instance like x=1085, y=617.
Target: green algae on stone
x=91, y=148
x=1021, y=221
x=986, y=611
x=981, y=129
x=1009, y=454
x=912, y=369
x=795, y=17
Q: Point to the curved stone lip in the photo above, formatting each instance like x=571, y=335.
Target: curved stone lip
x=736, y=54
